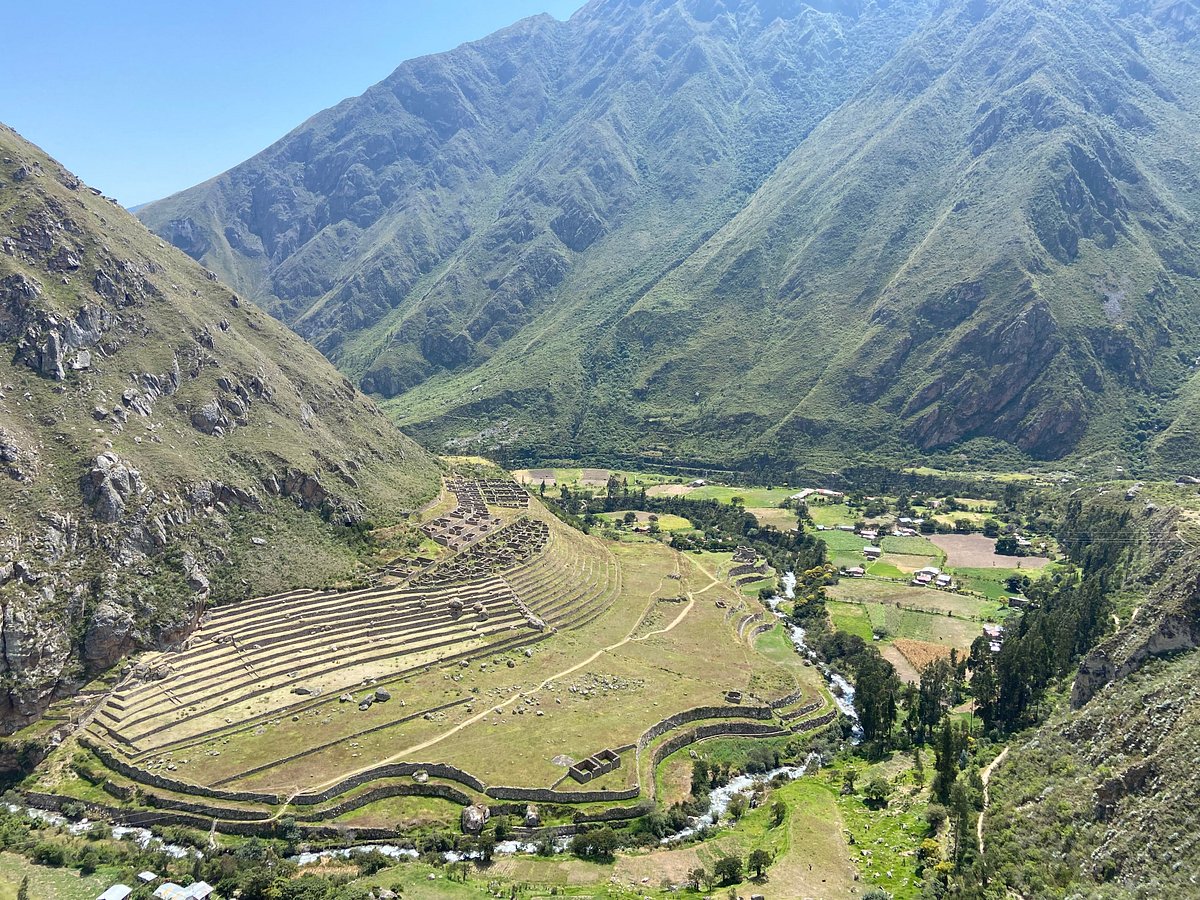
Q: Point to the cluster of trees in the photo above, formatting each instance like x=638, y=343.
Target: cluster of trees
x=719, y=526
x=1070, y=613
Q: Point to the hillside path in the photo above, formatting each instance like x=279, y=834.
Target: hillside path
x=985, y=777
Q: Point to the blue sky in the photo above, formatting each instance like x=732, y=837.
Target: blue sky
x=142, y=99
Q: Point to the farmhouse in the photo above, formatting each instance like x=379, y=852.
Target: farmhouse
x=869, y=534
x=116, y=892
x=922, y=579
x=944, y=581
x=856, y=571
x=872, y=553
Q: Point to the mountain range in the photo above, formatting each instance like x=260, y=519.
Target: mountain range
x=752, y=230
x=164, y=445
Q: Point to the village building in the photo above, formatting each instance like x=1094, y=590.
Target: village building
x=872, y=553
x=856, y=571
x=116, y=892
x=198, y=890
x=995, y=636
x=944, y=581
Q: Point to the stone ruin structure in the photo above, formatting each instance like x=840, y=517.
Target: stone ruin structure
x=510, y=546
x=594, y=766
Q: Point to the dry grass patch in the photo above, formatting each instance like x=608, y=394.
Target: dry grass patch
x=921, y=653
x=974, y=551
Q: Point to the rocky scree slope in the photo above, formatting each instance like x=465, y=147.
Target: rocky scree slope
x=163, y=444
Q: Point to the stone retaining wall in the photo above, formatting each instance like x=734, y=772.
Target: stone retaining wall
x=789, y=699
x=142, y=776
x=391, y=770
x=813, y=724
x=802, y=711
x=545, y=795
x=444, y=791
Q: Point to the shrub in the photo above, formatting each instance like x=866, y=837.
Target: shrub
x=47, y=854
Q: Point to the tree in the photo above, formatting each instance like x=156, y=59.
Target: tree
x=728, y=869
x=502, y=827
x=1006, y=545
x=759, y=860
x=487, y=846
x=629, y=518
x=877, y=790
x=737, y=806
x=848, y=780
x=877, y=689
x=778, y=813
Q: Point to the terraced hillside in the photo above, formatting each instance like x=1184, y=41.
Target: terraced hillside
x=481, y=678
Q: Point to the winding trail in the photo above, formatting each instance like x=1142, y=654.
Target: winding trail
x=985, y=777
x=416, y=748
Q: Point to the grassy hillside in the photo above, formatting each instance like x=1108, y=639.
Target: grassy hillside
x=729, y=232
x=989, y=243
x=164, y=444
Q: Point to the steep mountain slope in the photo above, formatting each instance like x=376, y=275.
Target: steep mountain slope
x=995, y=239
x=984, y=231
x=163, y=445
x=555, y=168
x=1100, y=801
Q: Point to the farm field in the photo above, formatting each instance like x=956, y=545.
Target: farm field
x=978, y=552
x=56, y=883
x=864, y=618
x=666, y=521
x=831, y=514
x=591, y=478
x=867, y=590
x=783, y=519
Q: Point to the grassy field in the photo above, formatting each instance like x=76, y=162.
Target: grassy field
x=865, y=619
x=751, y=496
x=866, y=590
x=47, y=883
x=843, y=541
x=666, y=521
x=593, y=479
x=912, y=546
x=783, y=519
x=831, y=514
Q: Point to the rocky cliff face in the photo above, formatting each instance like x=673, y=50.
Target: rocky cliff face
x=151, y=424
